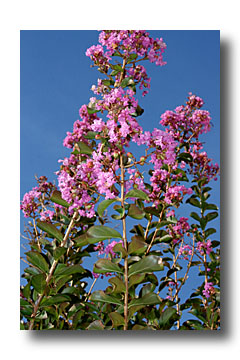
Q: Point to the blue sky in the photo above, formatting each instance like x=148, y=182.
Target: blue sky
x=56, y=79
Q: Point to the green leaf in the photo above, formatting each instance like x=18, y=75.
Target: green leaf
x=166, y=238
x=50, y=229
x=194, y=202
x=56, y=299
x=210, y=207
x=137, y=247
x=148, y=299
x=104, y=265
x=69, y=270
x=90, y=135
x=137, y=194
x=197, y=325
x=121, y=212
x=118, y=248
x=103, y=205
x=117, y=319
x=37, y=260
x=118, y=285
x=58, y=252
x=57, y=199
x=135, y=279
x=131, y=57
x=211, y=216
x=185, y=157
x=99, y=295
x=139, y=111
x=135, y=212
x=210, y=231
x=195, y=216
x=96, y=325
x=81, y=240
x=84, y=148
x=27, y=290
x=39, y=283
x=100, y=233
x=166, y=316
x=148, y=264
x=126, y=82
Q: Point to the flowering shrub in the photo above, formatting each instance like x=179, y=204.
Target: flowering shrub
x=148, y=266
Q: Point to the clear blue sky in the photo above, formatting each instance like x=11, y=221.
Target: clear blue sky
x=56, y=79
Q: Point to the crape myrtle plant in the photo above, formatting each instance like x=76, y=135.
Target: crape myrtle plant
x=147, y=266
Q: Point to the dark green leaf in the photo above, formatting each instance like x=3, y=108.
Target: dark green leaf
x=57, y=199
x=185, y=157
x=69, y=270
x=148, y=264
x=210, y=207
x=90, y=135
x=137, y=194
x=118, y=285
x=50, y=229
x=56, y=299
x=104, y=265
x=126, y=82
x=37, y=260
x=81, y=240
x=118, y=248
x=193, y=201
x=211, y=216
x=100, y=233
x=99, y=295
x=117, y=319
x=135, y=212
x=136, y=279
x=39, y=283
x=166, y=316
x=96, y=325
x=195, y=216
x=209, y=231
x=58, y=252
x=103, y=205
x=137, y=247
x=148, y=299
x=84, y=148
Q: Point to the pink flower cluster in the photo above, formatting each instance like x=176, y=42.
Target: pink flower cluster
x=80, y=128
x=173, y=193
x=46, y=215
x=133, y=42
x=187, y=121
x=178, y=230
x=208, y=289
x=30, y=203
x=125, y=43
x=204, y=247
x=185, y=251
x=202, y=165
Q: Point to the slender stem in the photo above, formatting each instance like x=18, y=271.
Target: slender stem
x=188, y=268
x=176, y=295
x=123, y=68
x=36, y=233
x=49, y=277
x=125, y=246
x=155, y=233
x=147, y=229
x=90, y=290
